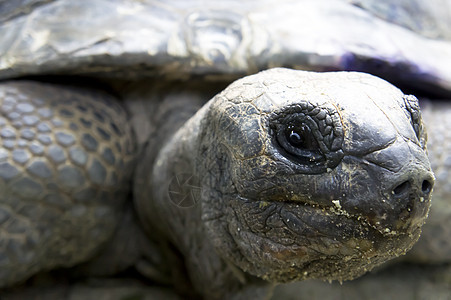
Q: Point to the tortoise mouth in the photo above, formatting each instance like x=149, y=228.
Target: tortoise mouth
x=308, y=219
x=336, y=210
x=292, y=241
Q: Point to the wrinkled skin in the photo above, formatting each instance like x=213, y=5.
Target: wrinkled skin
x=301, y=175
x=61, y=37
x=352, y=197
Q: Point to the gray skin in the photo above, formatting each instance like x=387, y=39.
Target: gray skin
x=434, y=245
x=351, y=195
x=424, y=272
x=65, y=162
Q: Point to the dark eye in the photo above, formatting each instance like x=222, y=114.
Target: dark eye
x=307, y=137
x=298, y=141
x=301, y=137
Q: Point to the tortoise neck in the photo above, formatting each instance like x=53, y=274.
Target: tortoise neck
x=168, y=201
x=166, y=154
x=166, y=195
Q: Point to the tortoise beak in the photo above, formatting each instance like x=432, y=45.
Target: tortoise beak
x=402, y=182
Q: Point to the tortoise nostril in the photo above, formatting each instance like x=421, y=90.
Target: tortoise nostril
x=401, y=189
x=426, y=187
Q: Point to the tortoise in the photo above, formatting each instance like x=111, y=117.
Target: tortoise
x=285, y=175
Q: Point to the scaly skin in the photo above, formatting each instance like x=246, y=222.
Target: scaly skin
x=351, y=197
x=65, y=163
x=358, y=197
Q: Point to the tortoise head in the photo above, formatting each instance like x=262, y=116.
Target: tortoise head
x=313, y=175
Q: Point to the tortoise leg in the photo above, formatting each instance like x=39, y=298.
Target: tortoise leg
x=65, y=164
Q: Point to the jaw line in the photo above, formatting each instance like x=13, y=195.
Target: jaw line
x=326, y=210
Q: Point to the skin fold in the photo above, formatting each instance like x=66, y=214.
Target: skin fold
x=291, y=175
x=263, y=213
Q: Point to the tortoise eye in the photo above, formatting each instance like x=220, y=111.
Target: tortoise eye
x=299, y=142
x=301, y=137
x=308, y=136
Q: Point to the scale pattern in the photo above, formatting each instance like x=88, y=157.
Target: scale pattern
x=65, y=161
